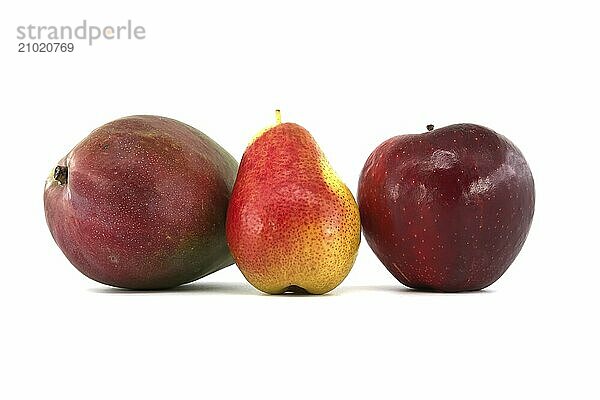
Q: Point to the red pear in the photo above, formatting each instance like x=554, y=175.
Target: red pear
x=292, y=224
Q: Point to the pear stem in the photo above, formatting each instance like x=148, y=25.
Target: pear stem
x=278, y=116
x=430, y=127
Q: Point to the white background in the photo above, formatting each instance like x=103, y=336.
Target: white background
x=353, y=74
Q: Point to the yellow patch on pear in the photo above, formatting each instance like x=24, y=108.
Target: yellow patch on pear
x=318, y=260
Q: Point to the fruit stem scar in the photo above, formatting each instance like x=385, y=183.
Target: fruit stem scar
x=430, y=127
x=61, y=174
x=278, y=116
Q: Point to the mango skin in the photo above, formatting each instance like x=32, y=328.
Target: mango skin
x=292, y=225
x=145, y=203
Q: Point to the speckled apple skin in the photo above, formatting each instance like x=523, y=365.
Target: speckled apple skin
x=145, y=203
x=447, y=210
x=292, y=225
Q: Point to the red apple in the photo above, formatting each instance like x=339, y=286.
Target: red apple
x=447, y=210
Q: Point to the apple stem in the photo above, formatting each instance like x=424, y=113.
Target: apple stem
x=430, y=127
x=61, y=174
x=278, y=116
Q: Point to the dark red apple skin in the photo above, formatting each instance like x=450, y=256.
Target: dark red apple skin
x=447, y=210
x=144, y=204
